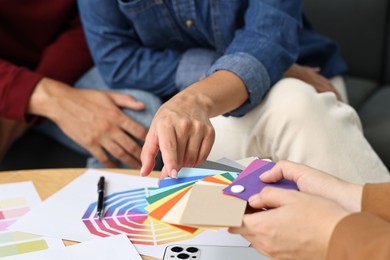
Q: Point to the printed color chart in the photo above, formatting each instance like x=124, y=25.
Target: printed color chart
x=126, y=214
x=10, y=210
x=16, y=200
x=13, y=243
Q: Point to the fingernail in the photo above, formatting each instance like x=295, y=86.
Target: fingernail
x=252, y=198
x=263, y=174
x=141, y=172
x=174, y=174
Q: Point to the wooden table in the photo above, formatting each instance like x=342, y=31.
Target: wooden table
x=49, y=181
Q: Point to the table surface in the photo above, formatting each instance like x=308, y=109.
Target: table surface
x=49, y=181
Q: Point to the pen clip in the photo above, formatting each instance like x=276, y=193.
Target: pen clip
x=101, y=184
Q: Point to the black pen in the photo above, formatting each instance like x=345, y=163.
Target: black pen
x=100, y=204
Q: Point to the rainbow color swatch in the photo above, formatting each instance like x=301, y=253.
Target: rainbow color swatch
x=126, y=214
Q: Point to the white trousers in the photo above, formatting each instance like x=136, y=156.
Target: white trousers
x=296, y=123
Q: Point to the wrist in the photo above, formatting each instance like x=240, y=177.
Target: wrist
x=193, y=97
x=351, y=197
x=43, y=98
x=223, y=88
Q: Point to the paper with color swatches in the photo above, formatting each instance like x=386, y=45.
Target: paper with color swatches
x=17, y=199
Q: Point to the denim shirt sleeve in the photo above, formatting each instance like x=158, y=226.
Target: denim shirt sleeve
x=193, y=66
x=119, y=56
x=263, y=49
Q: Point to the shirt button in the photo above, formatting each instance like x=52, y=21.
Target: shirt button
x=189, y=23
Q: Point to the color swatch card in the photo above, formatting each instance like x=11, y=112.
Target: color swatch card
x=224, y=165
x=207, y=206
x=248, y=182
x=191, y=174
x=17, y=199
x=15, y=243
x=114, y=247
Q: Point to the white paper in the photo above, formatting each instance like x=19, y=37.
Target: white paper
x=114, y=247
x=60, y=216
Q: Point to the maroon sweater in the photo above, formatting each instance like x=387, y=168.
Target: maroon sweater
x=38, y=39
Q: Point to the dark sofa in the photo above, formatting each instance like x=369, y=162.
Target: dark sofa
x=361, y=27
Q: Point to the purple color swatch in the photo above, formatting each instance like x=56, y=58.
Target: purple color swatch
x=254, y=185
x=254, y=165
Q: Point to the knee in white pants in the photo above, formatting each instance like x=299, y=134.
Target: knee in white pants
x=289, y=98
x=295, y=102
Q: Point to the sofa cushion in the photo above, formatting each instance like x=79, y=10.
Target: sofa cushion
x=359, y=89
x=375, y=116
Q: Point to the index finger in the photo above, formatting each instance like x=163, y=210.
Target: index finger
x=167, y=140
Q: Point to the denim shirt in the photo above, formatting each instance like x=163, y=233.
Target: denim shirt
x=163, y=46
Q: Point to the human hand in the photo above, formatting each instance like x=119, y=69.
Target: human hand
x=181, y=129
x=93, y=119
x=316, y=182
x=299, y=225
x=312, y=77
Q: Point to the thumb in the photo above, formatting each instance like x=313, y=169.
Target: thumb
x=271, y=197
x=127, y=101
x=283, y=170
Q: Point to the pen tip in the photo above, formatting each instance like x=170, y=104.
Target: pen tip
x=100, y=215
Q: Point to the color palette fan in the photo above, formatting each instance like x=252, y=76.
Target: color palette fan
x=209, y=201
x=197, y=202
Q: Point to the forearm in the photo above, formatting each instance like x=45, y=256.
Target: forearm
x=45, y=97
x=220, y=93
x=258, y=53
x=347, y=195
